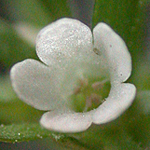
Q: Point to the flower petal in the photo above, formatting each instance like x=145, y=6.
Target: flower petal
x=66, y=121
x=107, y=42
x=119, y=99
x=36, y=84
x=62, y=40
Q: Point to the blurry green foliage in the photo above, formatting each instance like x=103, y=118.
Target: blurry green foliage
x=141, y=76
x=12, y=48
x=38, y=12
x=6, y=91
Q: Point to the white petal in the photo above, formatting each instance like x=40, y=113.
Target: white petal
x=36, y=84
x=63, y=40
x=119, y=99
x=113, y=47
x=66, y=121
x=67, y=43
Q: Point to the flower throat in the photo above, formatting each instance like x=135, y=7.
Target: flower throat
x=89, y=94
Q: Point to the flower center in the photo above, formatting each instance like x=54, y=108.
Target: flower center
x=89, y=94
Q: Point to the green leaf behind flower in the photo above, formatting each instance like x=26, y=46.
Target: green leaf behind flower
x=25, y=132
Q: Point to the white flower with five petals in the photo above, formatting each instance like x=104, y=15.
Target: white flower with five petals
x=71, y=53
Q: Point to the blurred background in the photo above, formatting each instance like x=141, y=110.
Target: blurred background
x=21, y=20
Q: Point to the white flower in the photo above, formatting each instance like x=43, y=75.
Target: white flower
x=67, y=48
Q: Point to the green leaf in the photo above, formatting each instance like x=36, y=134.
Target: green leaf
x=21, y=132
x=25, y=132
x=126, y=18
x=111, y=138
